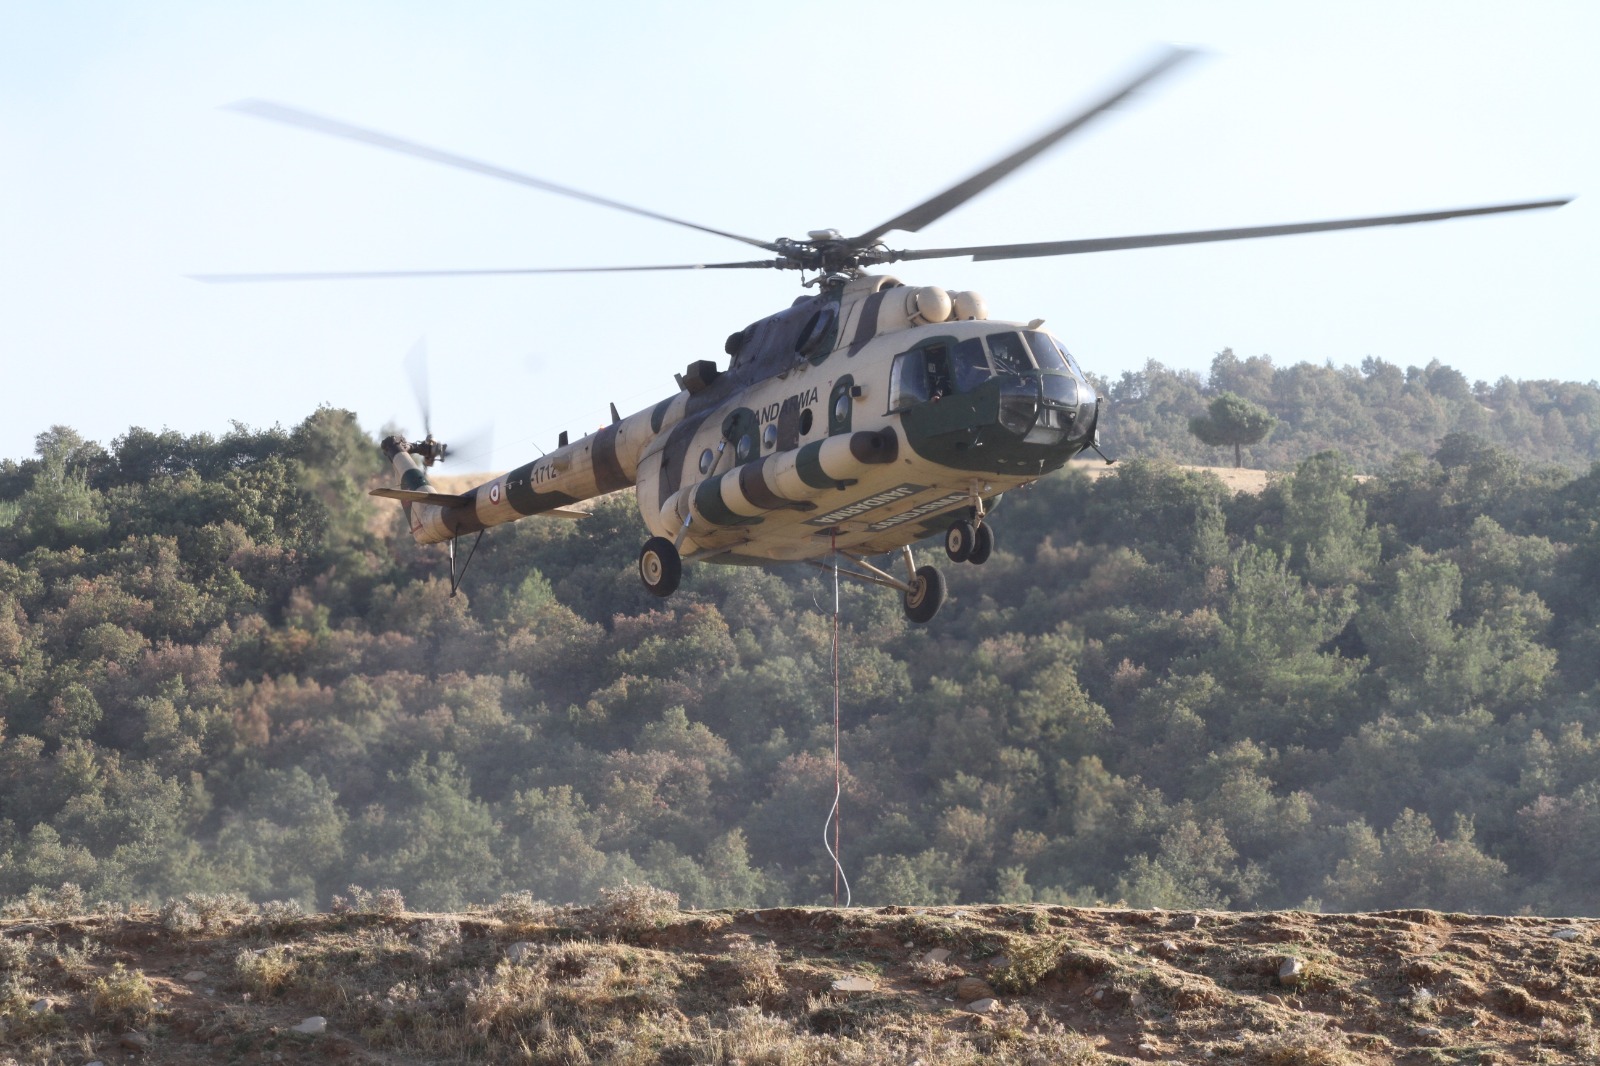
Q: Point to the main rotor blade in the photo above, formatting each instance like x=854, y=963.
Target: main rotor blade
x=983, y=252
x=953, y=197
x=351, y=275
x=334, y=128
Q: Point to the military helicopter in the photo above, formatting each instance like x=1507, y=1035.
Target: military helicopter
x=864, y=418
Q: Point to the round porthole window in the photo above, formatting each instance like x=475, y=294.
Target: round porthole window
x=707, y=457
x=805, y=421
x=746, y=445
x=769, y=436
x=841, y=408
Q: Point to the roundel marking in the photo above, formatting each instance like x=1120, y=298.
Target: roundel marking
x=494, y=492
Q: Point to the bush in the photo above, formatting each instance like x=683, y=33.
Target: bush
x=631, y=908
x=757, y=967
x=123, y=998
x=519, y=909
x=45, y=905
x=265, y=972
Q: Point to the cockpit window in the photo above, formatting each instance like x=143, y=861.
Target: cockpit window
x=1009, y=354
x=970, y=367
x=936, y=371
x=1050, y=353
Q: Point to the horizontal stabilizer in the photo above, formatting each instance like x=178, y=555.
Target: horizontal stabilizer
x=445, y=499
x=439, y=499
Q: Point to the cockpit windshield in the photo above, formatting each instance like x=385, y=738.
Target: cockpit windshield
x=1008, y=354
x=946, y=368
x=1050, y=353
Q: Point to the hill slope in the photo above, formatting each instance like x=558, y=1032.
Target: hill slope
x=635, y=981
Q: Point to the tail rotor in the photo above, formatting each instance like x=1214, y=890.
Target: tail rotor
x=429, y=450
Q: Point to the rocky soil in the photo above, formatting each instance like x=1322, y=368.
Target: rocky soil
x=635, y=981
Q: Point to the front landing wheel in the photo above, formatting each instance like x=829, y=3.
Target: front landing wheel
x=926, y=596
x=958, y=540
x=982, y=545
x=660, y=566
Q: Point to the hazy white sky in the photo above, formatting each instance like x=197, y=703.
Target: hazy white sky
x=119, y=175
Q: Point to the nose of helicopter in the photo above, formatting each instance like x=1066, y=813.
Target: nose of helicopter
x=1054, y=410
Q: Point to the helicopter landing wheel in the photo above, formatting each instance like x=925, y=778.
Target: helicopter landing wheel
x=926, y=595
x=959, y=539
x=660, y=566
x=982, y=545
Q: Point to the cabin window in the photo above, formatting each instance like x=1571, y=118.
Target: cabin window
x=840, y=405
x=908, y=381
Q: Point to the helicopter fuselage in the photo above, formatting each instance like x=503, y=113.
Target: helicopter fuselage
x=859, y=419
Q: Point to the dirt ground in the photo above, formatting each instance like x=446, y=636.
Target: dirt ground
x=1238, y=480
x=1024, y=984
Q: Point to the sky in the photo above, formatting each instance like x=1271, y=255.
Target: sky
x=122, y=173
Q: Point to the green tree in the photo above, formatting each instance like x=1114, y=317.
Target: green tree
x=61, y=508
x=1409, y=866
x=1193, y=866
x=1234, y=420
x=1280, y=685
x=1325, y=527
x=434, y=841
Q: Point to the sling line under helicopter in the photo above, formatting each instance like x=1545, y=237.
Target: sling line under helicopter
x=833, y=812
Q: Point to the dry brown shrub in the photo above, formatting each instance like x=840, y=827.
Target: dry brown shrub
x=513, y=998
x=265, y=972
x=14, y=952
x=520, y=910
x=935, y=973
x=46, y=905
x=757, y=967
x=631, y=908
x=1305, y=1043
x=122, y=998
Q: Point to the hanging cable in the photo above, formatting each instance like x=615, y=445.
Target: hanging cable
x=833, y=812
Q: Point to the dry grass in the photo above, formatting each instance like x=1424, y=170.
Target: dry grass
x=756, y=964
x=1305, y=1043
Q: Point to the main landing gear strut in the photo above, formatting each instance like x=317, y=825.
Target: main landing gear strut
x=923, y=591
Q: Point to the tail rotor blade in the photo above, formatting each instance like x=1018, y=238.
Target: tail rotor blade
x=473, y=452
x=417, y=369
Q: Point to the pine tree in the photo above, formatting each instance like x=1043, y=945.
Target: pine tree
x=1233, y=420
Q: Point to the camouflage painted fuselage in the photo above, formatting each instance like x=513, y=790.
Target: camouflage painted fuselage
x=866, y=413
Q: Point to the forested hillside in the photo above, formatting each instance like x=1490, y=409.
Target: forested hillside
x=222, y=669
x=1372, y=414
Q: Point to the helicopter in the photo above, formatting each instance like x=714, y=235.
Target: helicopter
x=868, y=416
